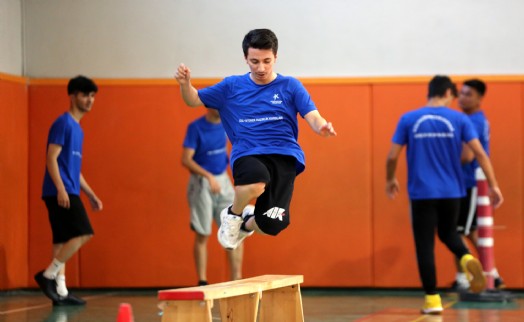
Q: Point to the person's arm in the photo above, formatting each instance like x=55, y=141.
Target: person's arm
x=53, y=151
x=392, y=186
x=96, y=204
x=193, y=167
x=485, y=164
x=189, y=93
x=467, y=154
x=319, y=124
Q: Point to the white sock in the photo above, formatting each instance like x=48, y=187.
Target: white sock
x=53, y=269
x=462, y=278
x=495, y=273
x=61, y=288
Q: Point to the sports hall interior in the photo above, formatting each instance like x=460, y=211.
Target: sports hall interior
x=364, y=64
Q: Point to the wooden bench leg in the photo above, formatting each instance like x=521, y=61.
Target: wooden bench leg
x=239, y=308
x=187, y=311
x=282, y=304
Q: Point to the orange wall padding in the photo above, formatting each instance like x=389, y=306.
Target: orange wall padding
x=344, y=232
x=13, y=183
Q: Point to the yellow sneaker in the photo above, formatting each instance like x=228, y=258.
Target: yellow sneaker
x=433, y=305
x=473, y=269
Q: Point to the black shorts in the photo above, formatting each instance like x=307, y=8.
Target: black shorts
x=68, y=223
x=467, y=221
x=278, y=172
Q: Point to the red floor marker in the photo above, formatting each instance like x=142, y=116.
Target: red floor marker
x=125, y=313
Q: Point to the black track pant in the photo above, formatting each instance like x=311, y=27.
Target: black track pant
x=427, y=216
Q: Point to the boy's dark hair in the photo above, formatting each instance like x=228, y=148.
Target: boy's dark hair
x=81, y=84
x=260, y=39
x=439, y=85
x=476, y=84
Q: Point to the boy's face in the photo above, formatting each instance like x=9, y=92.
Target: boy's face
x=83, y=101
x=260, y=62
x=468, y=98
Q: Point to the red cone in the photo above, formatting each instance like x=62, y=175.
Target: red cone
x=125, y=313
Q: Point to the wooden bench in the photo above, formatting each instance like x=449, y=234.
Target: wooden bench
x=278, y=295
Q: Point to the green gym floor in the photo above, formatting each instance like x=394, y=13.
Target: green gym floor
x=329, y=305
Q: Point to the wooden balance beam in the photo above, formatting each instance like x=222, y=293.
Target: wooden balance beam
x=278, y=295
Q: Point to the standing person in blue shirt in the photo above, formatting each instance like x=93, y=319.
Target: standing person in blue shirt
x=63, y=182
x=259, y=112
x=210, y=190
x=470, y=100
x=434, y=135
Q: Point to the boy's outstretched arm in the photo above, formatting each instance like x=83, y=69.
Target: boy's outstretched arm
x=189, y=93
x=319, y=124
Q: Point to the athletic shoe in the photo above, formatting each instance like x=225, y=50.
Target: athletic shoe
x=249, y=210
x=47, y=286
x=69, y=300
x=229, y=229
x=472, y=267
x=461, y=283
x=460, y=286
x=499, y=283
x=433, y=305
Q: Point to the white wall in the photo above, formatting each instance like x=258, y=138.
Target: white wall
x=329, y=38
x=11, y=37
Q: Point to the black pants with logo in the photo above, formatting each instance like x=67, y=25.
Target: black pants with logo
x=278, y=172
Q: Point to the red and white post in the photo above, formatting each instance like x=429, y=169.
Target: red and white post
x=485, y=228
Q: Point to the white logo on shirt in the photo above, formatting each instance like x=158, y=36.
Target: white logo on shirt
x=261, y=119
x=442, y=134
x=217, y=151
x=275, y=213
x=77, y=154
x=276, y=99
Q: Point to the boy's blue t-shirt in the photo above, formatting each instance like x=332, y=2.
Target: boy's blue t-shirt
x=481, y=125
x=67, y=133
x=209, y=142
x=260, y=119
x=434, y=137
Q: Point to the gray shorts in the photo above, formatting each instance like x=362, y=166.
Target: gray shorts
x=204, y=205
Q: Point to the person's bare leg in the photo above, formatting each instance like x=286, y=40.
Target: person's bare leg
x=71, y=247
x=61, y=287
x=63, y=254
x=200, y=255
x=235, y=258
x=244, y=194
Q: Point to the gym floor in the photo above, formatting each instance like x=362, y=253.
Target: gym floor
x=326, y=305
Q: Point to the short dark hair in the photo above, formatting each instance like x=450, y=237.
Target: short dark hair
x=81, y=84
x=439, y=85
x=476, y=84
x=260, y=39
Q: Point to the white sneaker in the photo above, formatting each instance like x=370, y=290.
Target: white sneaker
x=242, y=234
x=461, y=282
x=229, y=229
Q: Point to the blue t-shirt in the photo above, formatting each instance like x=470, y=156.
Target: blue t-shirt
x=260, y=119
x=434, y=137
x=67, y=133
x=481, y=124
x=209, y=142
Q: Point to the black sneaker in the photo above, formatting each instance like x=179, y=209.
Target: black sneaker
x=69, y=300
x=499, y=283
x=47, y=286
